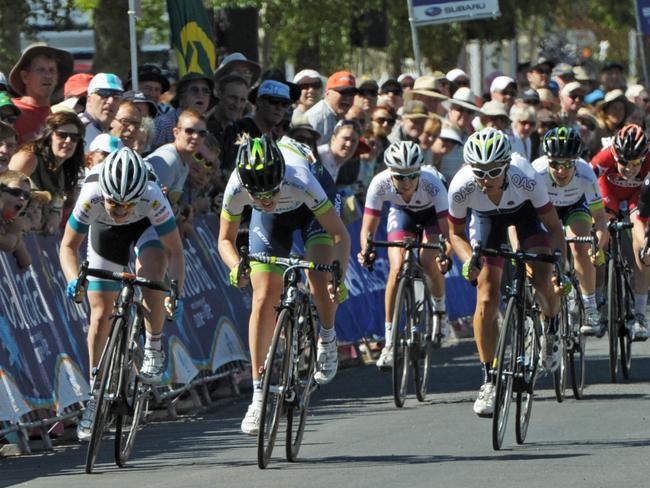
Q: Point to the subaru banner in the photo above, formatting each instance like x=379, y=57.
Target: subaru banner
x=427, y=12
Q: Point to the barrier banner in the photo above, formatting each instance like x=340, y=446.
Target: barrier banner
x=643, y=16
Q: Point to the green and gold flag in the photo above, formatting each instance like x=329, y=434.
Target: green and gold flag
x=192, y=37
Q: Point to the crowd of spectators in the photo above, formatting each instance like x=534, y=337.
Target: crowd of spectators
x=55, y=125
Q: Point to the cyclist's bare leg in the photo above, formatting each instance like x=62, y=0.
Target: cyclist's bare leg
x=641, y=272
x=267, y=288
x=435, y=279
x=487, y=308
x=152, y=263
x=584, y=267
x=395, y=259
x=318, y=281
x=541, y=280
x=101, y=306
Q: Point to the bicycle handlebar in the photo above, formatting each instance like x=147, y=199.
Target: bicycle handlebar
x=407, y=244
x=590, y=239
x=124, y=277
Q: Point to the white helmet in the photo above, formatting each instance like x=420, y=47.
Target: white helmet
x=123, y=176
x=403, y=155
x=487, y=146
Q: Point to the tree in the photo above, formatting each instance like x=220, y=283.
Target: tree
x=13, y=18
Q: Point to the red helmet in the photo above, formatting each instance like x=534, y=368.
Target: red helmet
x=630, y=143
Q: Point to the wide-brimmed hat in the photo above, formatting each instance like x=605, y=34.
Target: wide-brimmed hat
x=463, y=97
x=452, y=132
x=426, y=86
x=149, y=72
x=415, y=109
x=234, y=59
x=494, y=108
x=615, y=96
x=569, y=88
x=580, y=73
x=63, y=58
x=299, y=121
x=275, y=74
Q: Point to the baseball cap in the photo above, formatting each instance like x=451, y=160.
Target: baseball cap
x=341, y=81
x=531, y=96
x=456, y=73
x=105, y=143
x=371, y=84
x=500, y=83
x=306, y=74
x=562, y=69
x=390, y=84
x=275, y=89
x=570, y=88
x=5, y=101
x=77, y=85
x=105, y=81
x=415, y=109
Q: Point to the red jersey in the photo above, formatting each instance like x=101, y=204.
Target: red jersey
x=613, y=186
x=31, y=121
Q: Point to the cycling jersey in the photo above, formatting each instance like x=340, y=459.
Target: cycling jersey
x=613, y=186
x=583, y=185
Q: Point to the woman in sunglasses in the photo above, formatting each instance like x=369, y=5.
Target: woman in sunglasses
x=119, y=207
x=15, y=195
x=573, y=190
x=502, y=189
x=286, y=194
x=416, y=196
x=621, y=169
x=54, y=162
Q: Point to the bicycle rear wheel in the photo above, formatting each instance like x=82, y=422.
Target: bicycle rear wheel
x=505, y=365
x=528, y=350
x=274, y=387
x=402, y=324
x=107, y=390
x=428, y=323
x=560, y=374
x=613, y=311
x=577, y=346
x=303, y=374
x=134, y=393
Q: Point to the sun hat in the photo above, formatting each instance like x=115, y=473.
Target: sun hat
x=463, y=97
x=494, y=108
x=63, y=58
x=234, y=59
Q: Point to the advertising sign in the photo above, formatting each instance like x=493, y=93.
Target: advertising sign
x=427, y=12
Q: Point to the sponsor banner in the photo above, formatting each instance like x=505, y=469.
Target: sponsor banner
x=643, y=16
x=427, y=12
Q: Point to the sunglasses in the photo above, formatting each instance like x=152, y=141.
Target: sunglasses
x=190, y=131
x=127, y=205
x=129, y=123
x=106, y=93
x=199, y=158
x=410, y=176
x=16, y=192
x=631, y=162
x=368, y=93
x=198, y=90
x=277, y=102
x=73, y=136
x=558, y=163
x=384, y=121
x=265, y=195
x=490, y=174
x=317, y=85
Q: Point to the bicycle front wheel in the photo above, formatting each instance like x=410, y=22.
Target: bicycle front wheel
x=275, y=383
x=613, y=311
x=134, y=393
x=429, y=322
x=526, y=371
x=625, y=335
x=505, y=368
x=303, y=375
x=107, y=390
x=560, y=374
x=402, y=330
x=577, y=346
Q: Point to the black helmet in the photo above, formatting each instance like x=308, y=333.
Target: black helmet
x=260, y=165
x=630, y=143
x=562, y=143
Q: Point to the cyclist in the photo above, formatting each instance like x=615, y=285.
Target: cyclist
x=119, y=206
x=417, y=196
x=621, y=170
x=502, y=189
x=277, y=181
x=573, y=189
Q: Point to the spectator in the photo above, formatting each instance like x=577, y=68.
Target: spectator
x=126, y=124
x=152, y=83
x=8, y=145
x=637, y=94
x=360, y=116
x=75, y=93
x=429, y=135
x=461, y=108
x=339, y=97
x=457, y=78
x=585, y=78
x=232, y=93
x=366, y=99
x=548, y=100
x=145, y=136
x=238, y=64
x=146, y=107
x=546, y=120
x=539, y=74
x=54, y=162
x=449, y=141
x=15, y=194
x=104, y=96
x=302, y=131
x=562, y=74
x=102, y=146
x=311, y=89
x=40, y=71
x=170, y=162
x=612, y=112
x=504, y=89
x=442, y=83
x=427, y=90
x=203, y=179
x=571, y=99
x=391, y=92
x=406, y=81
x=192, y=91
x=411, y=124
x=341, y=147
x=589, y=133
x=495, y=114
x=524, y=122
x=9, y=113
x=612, y=77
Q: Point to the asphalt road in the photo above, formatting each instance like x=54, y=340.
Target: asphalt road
x=356, y=437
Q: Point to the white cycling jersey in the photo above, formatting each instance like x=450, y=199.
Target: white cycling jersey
x=299, y=187
x=431, y=192
x=583, y=184
x=89, y=208
x=522, y=183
